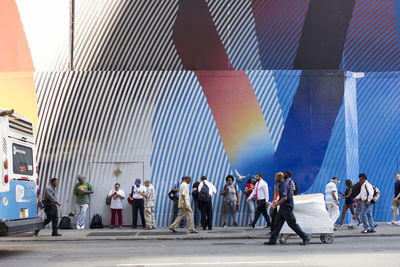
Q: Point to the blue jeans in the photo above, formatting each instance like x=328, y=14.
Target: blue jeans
x=82, y=208
x=366, y=216
x=252, y=208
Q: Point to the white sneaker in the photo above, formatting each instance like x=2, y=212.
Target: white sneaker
x=392, y=222
x=78, y=227
x=397, y=223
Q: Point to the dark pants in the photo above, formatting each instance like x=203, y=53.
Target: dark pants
x=286, y=214
x=52, y=216
x=273, y=213
x=176, y=209
x=138, y=204
x=261, y=209
x=196, y=211
x=206, y=214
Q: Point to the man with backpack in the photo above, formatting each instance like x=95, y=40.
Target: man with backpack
x=289, y=180
x=206, y=191
x=366, y=197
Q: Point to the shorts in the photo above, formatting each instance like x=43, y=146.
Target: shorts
x=396, y=203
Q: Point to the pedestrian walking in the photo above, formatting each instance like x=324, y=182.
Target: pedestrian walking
x=250, y=185
x=116, y=195
x=285, y=213
x=355, y=191
x=230, y=201
x=149, y=203
x=260, y=193
x=138, y=203
x=272, y=210
x=196, y=208
x=50, y=203
x=175, y=189
x=349, y=201
x=206, y=191
x=396, y=200
x=184, y=206
x=82, y=191
x=332, y=199
x=289, y=180
x=366, y=196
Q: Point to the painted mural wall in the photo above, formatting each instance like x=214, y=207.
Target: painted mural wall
x=212, y=87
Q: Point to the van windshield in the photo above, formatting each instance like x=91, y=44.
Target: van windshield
x=22, y=160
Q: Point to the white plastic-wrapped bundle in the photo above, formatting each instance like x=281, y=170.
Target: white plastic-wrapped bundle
x=311, y=215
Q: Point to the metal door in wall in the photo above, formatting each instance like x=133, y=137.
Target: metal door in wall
x=103, y=176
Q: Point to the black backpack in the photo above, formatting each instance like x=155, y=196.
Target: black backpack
x=204, y=193
x=97, y=222
x=296, y=189
x=65, y=223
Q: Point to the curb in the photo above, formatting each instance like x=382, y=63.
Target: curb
x=166, y=238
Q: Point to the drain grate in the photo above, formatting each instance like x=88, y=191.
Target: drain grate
x=227, y=244
x=161, y=233
x=112, y=234
x=226, y=232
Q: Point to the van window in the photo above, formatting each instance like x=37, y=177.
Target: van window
x=22, y=160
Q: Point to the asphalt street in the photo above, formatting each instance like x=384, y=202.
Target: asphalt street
x=351, y=251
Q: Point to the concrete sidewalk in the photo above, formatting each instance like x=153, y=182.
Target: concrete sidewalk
x=218, y=233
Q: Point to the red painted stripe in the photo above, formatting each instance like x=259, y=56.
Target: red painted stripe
x=267, y=19
x=369, y=41
x=371, y=13
x=287, y=38
x=361, y=34
x=271, y=35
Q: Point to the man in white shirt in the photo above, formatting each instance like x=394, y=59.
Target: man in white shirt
x=205, y=202
x=116, y=195
x=261, y=193
x=332, y=200
x=138, y=203
x=184, y=206
x=365, y=196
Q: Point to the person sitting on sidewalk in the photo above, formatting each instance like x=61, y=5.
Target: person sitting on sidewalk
x=184, y=207
x=285, y=213
x=366, y=195
x=396, y=200
x=82, y=190
x=149, y=202
x=349, y=201
x=116, y=195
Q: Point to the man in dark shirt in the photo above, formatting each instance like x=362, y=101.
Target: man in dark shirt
x=396, y=200
x=195, y=194
x=50, y=203
x=285, y=212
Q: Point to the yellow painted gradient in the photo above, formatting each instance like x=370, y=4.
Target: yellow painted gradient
x=17, y=91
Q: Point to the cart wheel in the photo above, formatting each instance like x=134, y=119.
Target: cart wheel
x=328, y=238
x=322, y=237
x=283, y=239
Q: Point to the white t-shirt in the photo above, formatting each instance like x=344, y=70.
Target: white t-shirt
x=116, y=202
x=330, y=187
